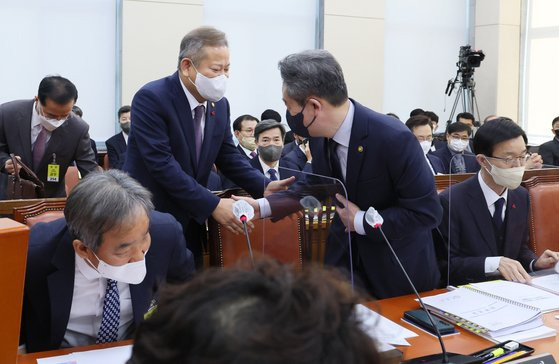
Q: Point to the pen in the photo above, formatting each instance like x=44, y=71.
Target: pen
x=493, y=354
x=507, y=357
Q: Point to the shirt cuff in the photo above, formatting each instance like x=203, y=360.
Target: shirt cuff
x=532, y=266
x=265, y=209
x=492, y=264
x=358, y=223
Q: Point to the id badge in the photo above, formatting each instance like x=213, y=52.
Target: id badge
x=53, y=172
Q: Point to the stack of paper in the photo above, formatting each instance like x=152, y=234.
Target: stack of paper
x=116, y=355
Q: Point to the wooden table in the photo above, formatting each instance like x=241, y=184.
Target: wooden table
x=32, y=358
x=463, y=343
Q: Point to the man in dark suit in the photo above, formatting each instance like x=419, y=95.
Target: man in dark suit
x=489, y=212
x=116, y=145
x=422, y=128
x=300, y=155
x=550, y=150
x=382, y=166
x=45, y=135
x=243, y=129
x=92, y=276
x=181, y=128
x=455, y=157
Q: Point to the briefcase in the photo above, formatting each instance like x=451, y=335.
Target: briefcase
x=23, y=184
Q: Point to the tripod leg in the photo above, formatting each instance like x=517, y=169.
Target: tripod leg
x=458, y=94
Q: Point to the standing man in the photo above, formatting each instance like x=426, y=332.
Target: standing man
x=181, y=128
x=45, y=135
x=116, y=145
x=550, y=150
x=382, y=166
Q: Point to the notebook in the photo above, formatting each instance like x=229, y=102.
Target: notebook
x=548, y=282
x=522, y=293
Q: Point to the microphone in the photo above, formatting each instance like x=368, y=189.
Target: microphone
x=244, y=212
x=373, y=218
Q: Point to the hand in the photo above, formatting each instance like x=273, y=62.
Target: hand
x=281, y=185
x=347, y=212
x=252, y=202
x=9, y=165
x=308, y=154
x=547, y=259
x=512, y=270
x=223, y=214
x=534, y=162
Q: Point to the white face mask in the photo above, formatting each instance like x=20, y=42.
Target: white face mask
x=510, y=178
x=211, y=89
x=426, y=146
x=458, y=145
x=131, y=273
x=50, y=124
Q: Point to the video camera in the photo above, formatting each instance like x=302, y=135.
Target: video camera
x=468, y=59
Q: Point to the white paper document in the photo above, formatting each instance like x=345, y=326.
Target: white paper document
x=549, y=282
x=382, y=329
x=116, y=355
x=522, y=293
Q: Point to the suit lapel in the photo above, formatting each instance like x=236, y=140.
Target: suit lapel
x=24, y=126
x=208, y=139
x=481, y=216
x=61, y=288
x=356, y=151
x=182, y=107
x=512, y=216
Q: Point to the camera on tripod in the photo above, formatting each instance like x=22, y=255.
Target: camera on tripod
x=468, y=59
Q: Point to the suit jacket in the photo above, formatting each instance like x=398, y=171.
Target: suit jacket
x=70, y=142
x=472, y=236
x=49, y=280
x=550, y=152
x=386, y=169
x=296, y=157
x=283, y=165
x=116, y=149
x=241, y=150
x=288, y=148
x=436, y=163
x=161, y=155
x=445, y=155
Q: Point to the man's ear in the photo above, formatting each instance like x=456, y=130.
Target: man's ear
x=481, y=160
x=315, y=104
x=80, y=248
x=186, y=64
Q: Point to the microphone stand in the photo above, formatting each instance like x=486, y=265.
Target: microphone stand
x=243, y=219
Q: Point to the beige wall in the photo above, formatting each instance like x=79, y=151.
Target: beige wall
x=354, y=34
x=497, y=33
x=151, y=35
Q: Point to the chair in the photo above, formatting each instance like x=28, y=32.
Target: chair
x=43, y=211
x=544, y=207
x=71, y=178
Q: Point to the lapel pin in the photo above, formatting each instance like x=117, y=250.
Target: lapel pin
x=513, y=206
x=213, y=104
x=212, y=113
x=360, y=149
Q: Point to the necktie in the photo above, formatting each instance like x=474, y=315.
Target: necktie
x=273, y=174
x=252, y=154
x=108, y=332
x=498, y=215
x=335, y=165
x=198, y=113
x=458, y=164
x=39, y=148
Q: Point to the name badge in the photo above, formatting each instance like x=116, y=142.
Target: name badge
x=53, y=170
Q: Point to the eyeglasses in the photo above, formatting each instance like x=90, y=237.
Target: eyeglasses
x=511, y=161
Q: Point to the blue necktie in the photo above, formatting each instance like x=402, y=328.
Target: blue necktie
x=273, y=174
x=108, y=332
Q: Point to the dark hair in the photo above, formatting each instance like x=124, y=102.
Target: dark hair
x=267, y=125
x=238, y=123
x=393, y=115
x=313, y=73
x=58, y=89
x=123, y=110
x=554, y=121
x=495, y=132
x=457, y=127
x=271, y=114
x=77, y=110
x=465, y=115
x=192, y=44
x=415, y=112
x=271, y=314
x=432, y=116
x=418, y=120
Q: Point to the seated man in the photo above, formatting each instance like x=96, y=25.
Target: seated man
x=116, y=145
x=300, y=153
x=455, y=157
x=422, y=127
x=248, y=316
x=550, y=150
x=243, y=128
x=489, y=212
x=91, y=276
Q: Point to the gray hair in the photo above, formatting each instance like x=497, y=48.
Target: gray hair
x=102, y=201
x=313, y=73
x=193, y=43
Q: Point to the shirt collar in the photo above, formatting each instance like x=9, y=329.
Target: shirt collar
x=191, y=99
x=247, y=151
x=490, y=196
x=266, y=168
x=85, y=269
x=343, y=134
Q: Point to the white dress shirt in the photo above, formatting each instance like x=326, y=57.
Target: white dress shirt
x=87, y=307
x=125, y=137
x=193, y=104
x=36, y=126
x=247, y=151
x=267, y=168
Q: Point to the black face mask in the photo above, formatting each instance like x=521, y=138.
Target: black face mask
x=297, y=124
x=556, y=132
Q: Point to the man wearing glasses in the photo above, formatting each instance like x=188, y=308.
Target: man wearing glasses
x=455, y=156
x=485, y=219
x=45, y=135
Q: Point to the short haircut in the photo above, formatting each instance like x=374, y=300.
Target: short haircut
x=313, y=73
x=432, y=116
x=271, y=114
x=58, y=89
x=102, y=201
x=495, y=132
x=418, y=120
x=393, y=115
x=268, y=125
x=465, y=115
x=192, y=44
x=123, y=110
x=554, y=121
x=238, y=123
x=269, y=314
x=457, y=127
x=417, y=111
x=490, y=117
x=77, y=110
